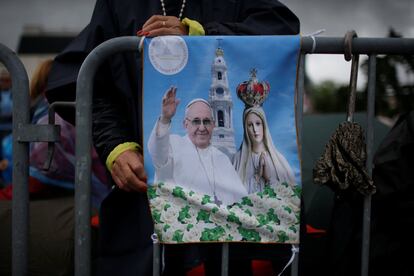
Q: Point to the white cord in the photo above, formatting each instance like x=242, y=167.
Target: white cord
x=294, y=251
x=312, y=36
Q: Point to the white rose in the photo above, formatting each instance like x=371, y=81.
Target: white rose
x=283, y=191
x=170, y=216
x=287, y=218
x=157, y=202
x=193, y=235
x=295, y=201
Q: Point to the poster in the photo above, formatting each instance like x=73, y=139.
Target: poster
x=220, y=142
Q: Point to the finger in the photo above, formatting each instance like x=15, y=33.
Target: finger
x=134, y=183
x=170, y=92
x=153, y=19
x=164, y=31
x=156, y=25
x=128, y=180
x=137, y=167
x=120, y=184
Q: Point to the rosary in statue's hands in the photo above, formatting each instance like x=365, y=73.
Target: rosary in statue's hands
x=169, y=105
x=163, y=25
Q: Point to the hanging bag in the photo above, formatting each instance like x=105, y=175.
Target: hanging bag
x=342, y=164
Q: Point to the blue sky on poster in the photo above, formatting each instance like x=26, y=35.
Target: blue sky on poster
x=275, y=63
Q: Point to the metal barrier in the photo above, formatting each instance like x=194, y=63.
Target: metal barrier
x=24, y=133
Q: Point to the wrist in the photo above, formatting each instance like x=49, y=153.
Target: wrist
x=164, y=120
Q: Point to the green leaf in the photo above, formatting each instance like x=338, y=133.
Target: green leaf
x=287, y=209
x=214, y=210
x=152, y=192
x=203, y=215
x=246, y=201
x=212, y=234
x=269, y=192
x=262, y=219
x=272, y=216
x=247, y=211
x=249, y=234
x=166, y=226
x=233, y=218
x=293, y=228
x=269, y=228
x=178, y=192
x=229, y=237
x=189, y=227
x=178, y=236
x=206, y=199
x=166, y=206
x=297, y=191
x=282, y=236
x=184, y=214
x=156, y=215
x=191, y=193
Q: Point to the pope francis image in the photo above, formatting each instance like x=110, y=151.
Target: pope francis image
x=191, y=161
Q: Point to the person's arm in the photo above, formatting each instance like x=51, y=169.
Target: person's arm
x=159, y=140
x=159, y=143
x=115, y=86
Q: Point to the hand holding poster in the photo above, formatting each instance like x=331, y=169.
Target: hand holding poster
x=220, y=138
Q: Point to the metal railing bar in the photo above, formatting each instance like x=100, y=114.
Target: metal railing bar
x=37, y=133
x=360, y=45
x=20, y=204
x=225, y=259
x=299, y=124
x=156, y=262
x=84, y=145
x=366, y=216
x=51, y=145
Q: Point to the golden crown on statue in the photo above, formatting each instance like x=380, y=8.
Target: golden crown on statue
x=253, y=92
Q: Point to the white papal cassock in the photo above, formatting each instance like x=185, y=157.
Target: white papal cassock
x=207, y=171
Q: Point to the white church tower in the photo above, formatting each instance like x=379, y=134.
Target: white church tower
x=222, y=105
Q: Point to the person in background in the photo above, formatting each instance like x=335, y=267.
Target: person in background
x=59, y=175
x=126, y=224
x=5, y=122
x=51, y=191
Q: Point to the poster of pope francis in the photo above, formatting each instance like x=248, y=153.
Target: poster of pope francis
x=220, y=143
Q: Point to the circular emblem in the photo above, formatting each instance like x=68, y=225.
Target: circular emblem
x=168, y=54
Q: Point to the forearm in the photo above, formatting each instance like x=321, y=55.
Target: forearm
x=111, y=126
x=159, y=144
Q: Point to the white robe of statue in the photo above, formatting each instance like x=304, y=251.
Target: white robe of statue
x=206, y=171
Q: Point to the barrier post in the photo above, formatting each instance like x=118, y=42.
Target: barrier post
x=20, y=204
